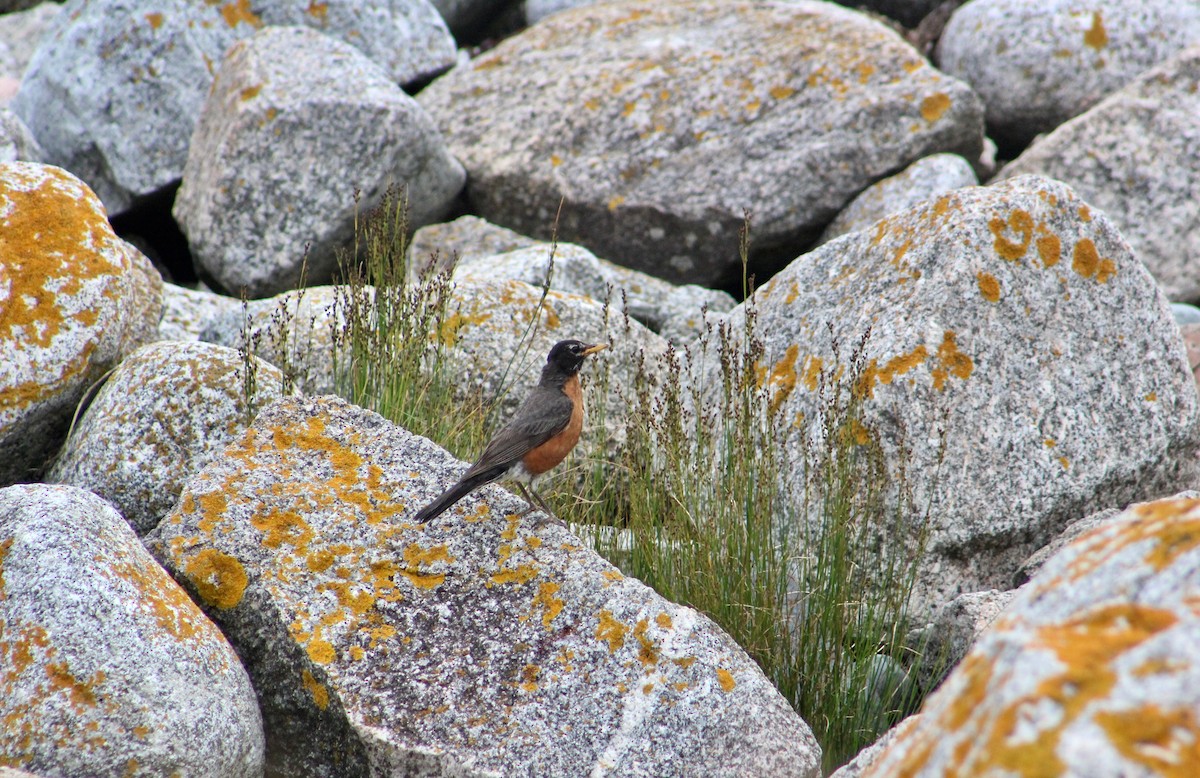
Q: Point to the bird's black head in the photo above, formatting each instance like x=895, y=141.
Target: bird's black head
x=568, y=355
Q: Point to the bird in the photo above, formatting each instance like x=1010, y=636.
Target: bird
x=540, y=434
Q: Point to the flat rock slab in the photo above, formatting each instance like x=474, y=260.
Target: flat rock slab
x=74, y=300
x=1134, y=156
x=107, y=668
x=1094, y=669
x=477, y=645
x=657, y=125
x=116, y=87
x=165, y=411
x=1022, y=367
x=1038, y=64
x=285, y=159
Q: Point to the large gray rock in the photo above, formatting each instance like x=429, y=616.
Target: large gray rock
x=74, y=300
x=1094, y=669
x=166, y=410
x=922, y=180
x=108, y=669
x=657, y=126
x=675, y=312
x=186, y=312
x=1134, y=155
x=478, y=645
x=114, y=91
x=1038, y=64
x=1022, y=367
x=285, y=159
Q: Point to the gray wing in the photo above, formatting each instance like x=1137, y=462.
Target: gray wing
x=544, y=414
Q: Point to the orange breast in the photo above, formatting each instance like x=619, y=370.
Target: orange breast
x=555, y=450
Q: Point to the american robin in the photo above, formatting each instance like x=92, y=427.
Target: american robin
x=540, y=435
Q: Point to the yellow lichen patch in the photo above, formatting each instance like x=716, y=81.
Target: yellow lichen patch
x=611, y=577
x=545, y=599
x=1049, y=249
x=320, y=561
x=610, y=631
x=415, y=555
x=320, y=650
x=219, y=578
x=782, y=378
x=1096, y=36
x=812, y=373
x=155, y=19
x=521, y=574
x=1162, y=740
x=1086, y=261
x=455, y=322
x=1151, y=397
x=725, y=678
x=555, y=160
x=782, y=92
x=239, y=12
x=283, y=527
x=81, y=693
x=684, y=662
x=318, y=11
x=529, y=676
x=320, y=694
x=250, y=92
x=896, y=366
x=989, y=286
x=615, y=202
x=934, y=106
x=647, y=648
x=1020, y=223
x=663, y=620
x=951, y=362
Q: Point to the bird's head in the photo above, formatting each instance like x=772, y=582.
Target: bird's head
x=568, y=355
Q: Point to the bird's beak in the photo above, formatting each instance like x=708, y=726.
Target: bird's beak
x=587, y=352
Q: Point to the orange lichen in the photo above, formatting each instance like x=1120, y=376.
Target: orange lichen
x=521, y=574
x=320, y=650
x=239, y=12
x=5, y=545
x=155, y=19
x=663, y=620
x=317, y=689
x=896, y=366
x=281, y=527
x=1019, y=222
x=782, y=377
x=1096, y=36
x=551, y=605
x=529, y=676
x=725, y=678
x=782, y=92
x=951, y=362
x=1088, y=263
x=1049, y=249
x=989, y=286
x=647, y=648
x=610, y=630
x=250, y=92
x=319, y=11
x=219, y=578
x=934, y=106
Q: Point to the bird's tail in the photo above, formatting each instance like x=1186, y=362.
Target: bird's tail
x=456, y=493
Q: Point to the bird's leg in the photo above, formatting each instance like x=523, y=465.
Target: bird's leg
x=528, y=501
x=550, y=517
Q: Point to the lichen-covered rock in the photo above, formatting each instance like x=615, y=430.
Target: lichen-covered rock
x=922, y=180
x=116, y=87
x=477, y=645
x=1017, y=349
x=466, y=239
x=107, y=669
x=1094, y=669
x=656, y=126
x=186, y=312
x=1134, y=156
x=1038, y=64
x=165, y=411
x=74, y=300
x=268, y=198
